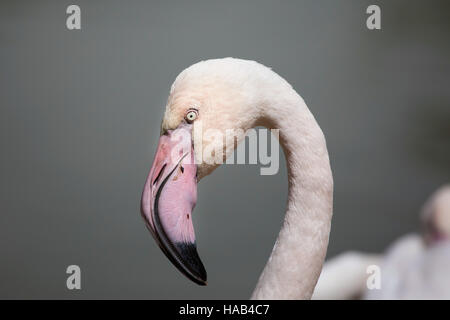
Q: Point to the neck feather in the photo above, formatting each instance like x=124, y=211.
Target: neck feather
x=296, y=260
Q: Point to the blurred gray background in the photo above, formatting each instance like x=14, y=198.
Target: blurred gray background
x=80, y=115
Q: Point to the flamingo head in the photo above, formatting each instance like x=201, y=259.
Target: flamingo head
x=436, y=216
x=204, y=102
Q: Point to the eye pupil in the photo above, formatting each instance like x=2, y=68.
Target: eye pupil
x=191, y=116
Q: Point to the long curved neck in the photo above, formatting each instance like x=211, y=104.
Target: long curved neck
x=298, y=254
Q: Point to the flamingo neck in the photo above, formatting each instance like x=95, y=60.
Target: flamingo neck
x=296, y=260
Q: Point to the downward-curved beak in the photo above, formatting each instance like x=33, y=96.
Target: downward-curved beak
x=168, y=199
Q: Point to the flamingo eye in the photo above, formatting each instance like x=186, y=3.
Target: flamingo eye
x=191, y=116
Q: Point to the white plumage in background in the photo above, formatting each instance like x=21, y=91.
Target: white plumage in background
x=414, y=267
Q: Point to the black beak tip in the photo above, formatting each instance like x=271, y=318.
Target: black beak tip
x=191, y=260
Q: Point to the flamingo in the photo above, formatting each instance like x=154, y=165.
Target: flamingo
x=224, y=94
x=416, y=266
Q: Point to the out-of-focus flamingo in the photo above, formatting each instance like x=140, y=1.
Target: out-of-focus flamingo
x=414, y=267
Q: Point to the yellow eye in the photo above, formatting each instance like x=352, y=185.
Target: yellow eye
x=191, y=116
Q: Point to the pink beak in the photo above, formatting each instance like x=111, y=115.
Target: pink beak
x=168, y=199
